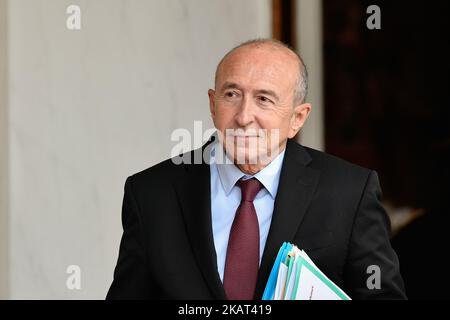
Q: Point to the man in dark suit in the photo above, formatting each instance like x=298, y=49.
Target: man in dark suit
x=212, y=229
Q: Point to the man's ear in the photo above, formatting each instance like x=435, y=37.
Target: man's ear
x=212, y=103
x=299, y=116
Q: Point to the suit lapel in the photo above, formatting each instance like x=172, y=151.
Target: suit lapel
x=194, y=193
x=296, y=188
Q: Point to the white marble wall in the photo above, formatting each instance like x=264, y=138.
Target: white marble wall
x=88, y=108
x=309, y=39
x=4, y=237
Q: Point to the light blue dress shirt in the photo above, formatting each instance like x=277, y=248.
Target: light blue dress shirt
x=226, y=197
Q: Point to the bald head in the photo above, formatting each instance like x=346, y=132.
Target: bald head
x=284, y=52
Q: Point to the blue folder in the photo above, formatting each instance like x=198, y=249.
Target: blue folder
x=269, y=291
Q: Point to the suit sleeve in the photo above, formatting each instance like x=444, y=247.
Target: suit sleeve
x=372, y=268
x=131, y=276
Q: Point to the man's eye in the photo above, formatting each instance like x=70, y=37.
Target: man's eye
x=230, y=94
x=264, y=100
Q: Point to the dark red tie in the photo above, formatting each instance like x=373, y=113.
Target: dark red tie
x=242, y=261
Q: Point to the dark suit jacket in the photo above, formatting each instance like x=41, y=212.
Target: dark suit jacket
x=324, y=205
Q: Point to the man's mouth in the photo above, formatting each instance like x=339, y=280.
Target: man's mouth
x=243, y=135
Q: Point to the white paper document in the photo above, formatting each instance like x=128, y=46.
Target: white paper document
x=298, y=278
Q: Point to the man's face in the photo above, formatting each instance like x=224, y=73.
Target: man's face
x=254, y=91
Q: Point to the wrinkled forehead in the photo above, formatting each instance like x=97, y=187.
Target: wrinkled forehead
x=259, y=64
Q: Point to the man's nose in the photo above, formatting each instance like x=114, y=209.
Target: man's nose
x=245, y=114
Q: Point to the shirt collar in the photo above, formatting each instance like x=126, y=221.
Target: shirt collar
x=229, y=174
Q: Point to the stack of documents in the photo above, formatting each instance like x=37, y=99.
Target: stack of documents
x=295, y=277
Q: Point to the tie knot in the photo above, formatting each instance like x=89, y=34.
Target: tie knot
x=249, y=189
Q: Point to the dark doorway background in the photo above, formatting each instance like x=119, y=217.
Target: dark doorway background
x=383, y=92
x=283, y=21
x=374, y=94
x=386, y=106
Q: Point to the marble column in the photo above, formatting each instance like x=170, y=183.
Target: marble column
x=309, y=33
x=4, y=222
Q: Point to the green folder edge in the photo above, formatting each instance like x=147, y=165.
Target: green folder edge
x=290, y=262
x=314, y=270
